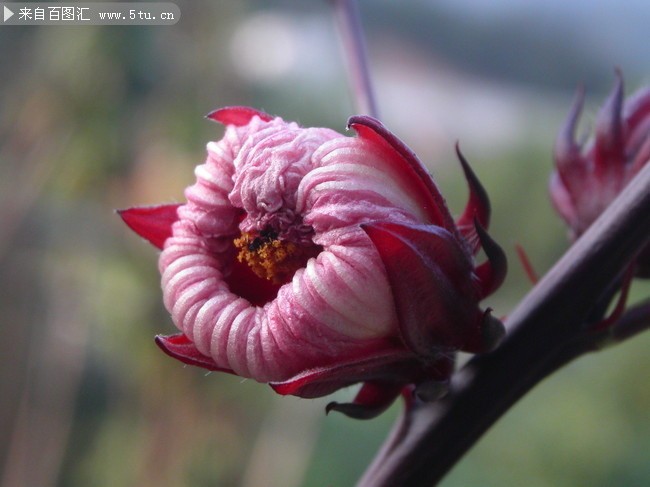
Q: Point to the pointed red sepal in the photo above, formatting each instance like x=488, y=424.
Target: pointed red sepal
x=427, y=382
x=372, y=399
x=407, y=163
x=478, y=205
x=566, y=149
x=571, y=164
x=395, y=366
x=237, y=116
x=430, y=275
x=181, y=348
x=609, y=150
x=492, y=272
x=153, y=223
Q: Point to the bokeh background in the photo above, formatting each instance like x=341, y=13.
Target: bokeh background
x=98, y=118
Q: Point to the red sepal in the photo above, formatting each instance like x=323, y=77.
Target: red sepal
x=153, y=223
x=478, y=206
x=567, y=151
x=372, y=399
x=396, y=366
x=407, y=163
x=609, y=148
x=430, y=275
x=181, y=348
x=237, y=116
x=430, y=381
x=492, y=272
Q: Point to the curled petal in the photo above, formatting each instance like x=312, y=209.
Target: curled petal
x=492, y=272
x=153, y=223
x=180, y=347
x=237, y=116
x=425, y=189
x=429, y=273
x=478, y=205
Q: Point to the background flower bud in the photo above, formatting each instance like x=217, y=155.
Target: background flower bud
x=588, y=178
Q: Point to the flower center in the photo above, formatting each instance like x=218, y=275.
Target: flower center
x=272, y=258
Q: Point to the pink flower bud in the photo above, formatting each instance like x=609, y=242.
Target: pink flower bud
x=313, y=261
x=587, y=179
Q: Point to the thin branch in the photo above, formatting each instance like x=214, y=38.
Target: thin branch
x=634, y=321
x=356, y=56
x=547, y=330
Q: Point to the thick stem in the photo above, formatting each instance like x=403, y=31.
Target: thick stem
x=548, y=329
x=356, y=56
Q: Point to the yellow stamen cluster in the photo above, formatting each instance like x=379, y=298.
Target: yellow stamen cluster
x=272, y=259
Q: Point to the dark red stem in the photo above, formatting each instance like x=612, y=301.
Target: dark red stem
x=550, y=327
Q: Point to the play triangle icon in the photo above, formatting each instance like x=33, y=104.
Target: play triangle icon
x=7, y=14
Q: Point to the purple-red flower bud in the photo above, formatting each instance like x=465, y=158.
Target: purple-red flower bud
x=313, y=261
x=587, y=179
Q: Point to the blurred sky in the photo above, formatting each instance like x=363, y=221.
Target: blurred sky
x=443, y=68
x=619, y=26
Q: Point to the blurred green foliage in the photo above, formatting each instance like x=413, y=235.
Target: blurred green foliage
x=97, y=118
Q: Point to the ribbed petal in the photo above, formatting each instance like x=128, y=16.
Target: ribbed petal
x=353, y=182
x=253, y=341
x=405, y=163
